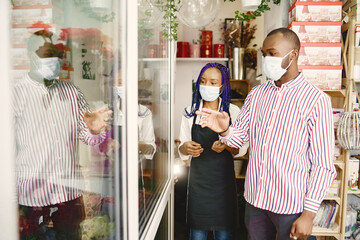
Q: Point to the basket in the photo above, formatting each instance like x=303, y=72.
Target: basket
x=348, y=132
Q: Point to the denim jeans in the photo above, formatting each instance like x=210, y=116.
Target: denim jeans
x=202, y=235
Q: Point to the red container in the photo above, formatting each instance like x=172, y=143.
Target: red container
x=206, y=51
x=182, y=49
x=219, y=50
x=153, y=51
x=206, y=38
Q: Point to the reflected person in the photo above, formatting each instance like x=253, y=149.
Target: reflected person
x=288, y=123
x=50, y=116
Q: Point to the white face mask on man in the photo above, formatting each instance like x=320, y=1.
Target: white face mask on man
x=272, y=66
x=47, y=68
x=209, y=93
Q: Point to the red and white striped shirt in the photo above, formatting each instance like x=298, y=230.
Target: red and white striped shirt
x=291, y=136
x=48, y=124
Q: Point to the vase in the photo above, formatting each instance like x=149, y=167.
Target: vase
x=250, y=5
x=238, y=71
x=195, y=50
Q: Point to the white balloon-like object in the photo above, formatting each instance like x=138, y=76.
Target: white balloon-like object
x=198, y=13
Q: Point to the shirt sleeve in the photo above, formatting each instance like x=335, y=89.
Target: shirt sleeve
x=146, y=133
x=84, y=133
x=185, y=135
x=238, y=133
x=321, y=143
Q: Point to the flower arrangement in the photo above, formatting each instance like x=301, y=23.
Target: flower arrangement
x=250, y=58
x=239, y=34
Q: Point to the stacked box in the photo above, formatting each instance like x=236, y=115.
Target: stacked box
x=318, y=26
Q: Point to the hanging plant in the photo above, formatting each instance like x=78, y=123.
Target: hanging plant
x=171, y=7
x=170, y=24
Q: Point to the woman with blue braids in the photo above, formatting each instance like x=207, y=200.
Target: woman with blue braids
x=211, y=189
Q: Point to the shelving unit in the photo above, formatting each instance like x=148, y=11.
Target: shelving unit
x=349, y=56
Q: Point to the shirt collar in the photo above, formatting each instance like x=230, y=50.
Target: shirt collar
x=202, y=104
x=38, y=84
x=293, y=83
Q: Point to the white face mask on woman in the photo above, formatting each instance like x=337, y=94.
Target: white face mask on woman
x=47, y=68
x=209, y=93
x=272, y=66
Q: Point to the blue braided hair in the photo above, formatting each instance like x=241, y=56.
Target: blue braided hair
x=225, y=95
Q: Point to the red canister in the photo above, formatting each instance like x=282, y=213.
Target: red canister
x=153, y=51
x=182, y=49
x=219, y=50
x=206, y=37
x=206, y=51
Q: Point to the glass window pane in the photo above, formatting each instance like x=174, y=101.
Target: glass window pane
x=66, y=70
x=154, y=109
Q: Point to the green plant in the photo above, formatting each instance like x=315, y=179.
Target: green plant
x=257, y=13
x=170, y=25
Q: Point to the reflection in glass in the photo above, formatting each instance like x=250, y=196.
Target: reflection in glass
x=68, y=145
x=154, y=114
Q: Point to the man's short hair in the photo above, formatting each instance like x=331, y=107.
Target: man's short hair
x=289, y=35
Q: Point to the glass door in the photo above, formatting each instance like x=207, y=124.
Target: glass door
x=92, y=108
x=155, y=58
x=66, y=70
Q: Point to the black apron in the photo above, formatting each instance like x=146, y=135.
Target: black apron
x=212, y=201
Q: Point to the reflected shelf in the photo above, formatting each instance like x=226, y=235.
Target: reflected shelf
x=153, y=59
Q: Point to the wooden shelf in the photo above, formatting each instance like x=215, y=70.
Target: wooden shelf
x=334, y=231
x=337, y=199
x=336, y=93
x=240, y=176
x=356, y=192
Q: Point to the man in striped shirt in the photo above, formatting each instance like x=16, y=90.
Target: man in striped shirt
x=288, y=124
x=50, y=116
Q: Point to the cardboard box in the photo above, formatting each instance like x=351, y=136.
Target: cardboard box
x=312, y=12
x=324, y=79
x=322, y=32
x=320, y=55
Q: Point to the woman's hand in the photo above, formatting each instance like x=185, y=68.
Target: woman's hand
x=216, y=121
x=218, y=146
x=97, y=120
x=191, y=148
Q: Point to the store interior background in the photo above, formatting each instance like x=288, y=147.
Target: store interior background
x=188, y=71
x=185, y=73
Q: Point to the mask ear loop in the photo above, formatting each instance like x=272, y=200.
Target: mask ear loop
x=221, y=90
x=290, y=61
